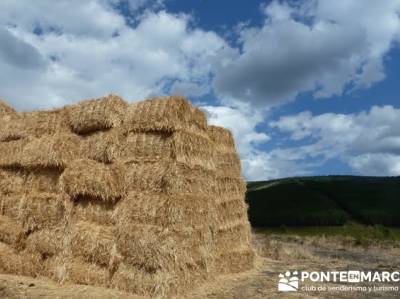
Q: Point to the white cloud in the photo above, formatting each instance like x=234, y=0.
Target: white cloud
x=320, y=46
x=376, y=164
x=86, y=56
x=368, y=141
x=75, y=17
x=56, y=52
x=257, y=164
x=241, y=122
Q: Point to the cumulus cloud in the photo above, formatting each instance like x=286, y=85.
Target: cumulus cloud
x=57, y=52
x=87, y=56
x=257, y=164
x=369, y=142
x=321, y=47
x=18, y=53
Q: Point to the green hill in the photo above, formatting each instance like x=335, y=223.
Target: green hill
x=327, y=200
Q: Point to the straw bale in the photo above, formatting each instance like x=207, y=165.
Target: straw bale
x=191, y=210
x=9, y=205
x=51, y=151
x=34, y=124
x=150, y=247
x=47, y=242
x=42, y=180
x=189, y=147
x=197, y=247
x=93, y=179
x=40, y=210
x=156, y=248
x=5, y=109
x=10, y=232
x=11, y=153
x=92, y=243
x=150, y=146
x=102, y=146
x=235, y=261
x=11, y=182
x=182, y=179
x=39, y=123
x=156, y=284
x=235, y=186
x=164, y=114
x=18, y=263
x=232, y=237
x=75, y=270
x=146, y=177
x=222, y=138
x=228, y=163
x=148, y=199
x=97, y=114
x=86, y=209
x=194, y=148
x=231, y=210
x=11, y=128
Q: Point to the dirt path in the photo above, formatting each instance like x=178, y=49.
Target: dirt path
x=278, y=254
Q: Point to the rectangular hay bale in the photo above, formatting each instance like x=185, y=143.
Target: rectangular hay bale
x=235, y=261
x=11, y=232
x=18, y=263
x=92, y=242
x=97, y=114
x=34, y=124
x=193, y=148
x=93, y=179
x=11, y=153
x=40, y=210
x=87, y=209
x=156, y=284
x=11, y=181
x=167, y=114
x=190, y=210
x=51, y=151
x=222, y=138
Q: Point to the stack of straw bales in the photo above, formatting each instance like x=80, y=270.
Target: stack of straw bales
x=145, y=198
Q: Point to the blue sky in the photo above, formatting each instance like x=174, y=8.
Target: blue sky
x=307, y=87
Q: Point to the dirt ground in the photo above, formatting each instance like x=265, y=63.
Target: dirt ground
x=277, y=254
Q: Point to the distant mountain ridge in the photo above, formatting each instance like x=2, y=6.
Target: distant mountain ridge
x=324, y=200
